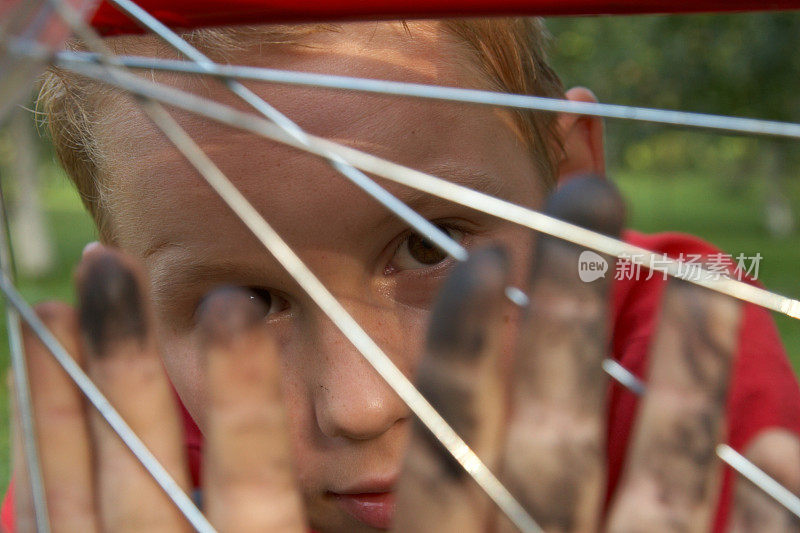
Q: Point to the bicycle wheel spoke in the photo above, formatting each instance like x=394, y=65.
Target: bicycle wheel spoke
x=19, y=368
x=449, y=191
x=624, y=377
x=722, y=123
x=759, y=478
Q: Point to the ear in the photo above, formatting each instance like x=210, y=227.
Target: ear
x=583, y=139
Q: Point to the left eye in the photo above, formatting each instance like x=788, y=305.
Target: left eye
x=272, y=302
x=417, y=252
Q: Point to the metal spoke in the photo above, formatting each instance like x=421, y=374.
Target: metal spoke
x=723, y=123
x=624, y=377
x=759, y=478
x=19, y=368
x=449, y=191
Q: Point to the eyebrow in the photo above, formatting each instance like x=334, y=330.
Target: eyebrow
x=475, y=179
x=175, y=270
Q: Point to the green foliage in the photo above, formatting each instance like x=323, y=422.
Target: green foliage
x=740, y=64
x=736, y=64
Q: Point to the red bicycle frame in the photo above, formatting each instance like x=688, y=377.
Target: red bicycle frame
x=199, y=13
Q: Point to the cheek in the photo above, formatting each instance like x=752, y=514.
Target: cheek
x=301, y=426
x=183, y=364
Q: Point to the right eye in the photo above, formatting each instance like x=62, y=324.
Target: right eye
x=417, y=253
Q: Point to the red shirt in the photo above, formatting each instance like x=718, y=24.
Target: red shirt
x=763, y=393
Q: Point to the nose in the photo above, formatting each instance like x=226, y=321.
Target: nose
x=350, y=399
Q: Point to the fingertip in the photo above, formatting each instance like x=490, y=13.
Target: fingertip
x=91, y=247
x=483, y=273
x=96, y=255
x=776, y=451
x=718, y=315
x=111, y=295
x=589, y=201
x=491, y=265
x=53, y=311
x=227, y=312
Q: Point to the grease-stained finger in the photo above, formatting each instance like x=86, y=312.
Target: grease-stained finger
x=461, y=374
x=61, y=426
x=122, y=359
x=777, y=453
x=554, y=460
x=671, y=479
x=249, y=479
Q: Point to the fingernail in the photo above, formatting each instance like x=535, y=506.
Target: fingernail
x=227, y=312
x=111, y=306
x=94, y=245
x=591, y=202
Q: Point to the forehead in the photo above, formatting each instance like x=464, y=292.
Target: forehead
x=156, y=198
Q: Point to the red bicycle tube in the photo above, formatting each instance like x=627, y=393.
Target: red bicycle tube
x=189, y=14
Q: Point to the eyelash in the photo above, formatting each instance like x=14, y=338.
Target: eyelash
x=274, y=304
x=275, y=300
x=461, y=235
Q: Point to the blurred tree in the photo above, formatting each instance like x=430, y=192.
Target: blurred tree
x=741, y=64
x=30, y=235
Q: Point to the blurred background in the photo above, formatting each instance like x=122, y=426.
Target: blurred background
x=741, y=194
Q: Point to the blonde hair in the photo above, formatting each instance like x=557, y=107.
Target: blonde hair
x=509, y=53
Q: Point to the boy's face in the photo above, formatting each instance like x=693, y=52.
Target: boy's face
x=348, y=428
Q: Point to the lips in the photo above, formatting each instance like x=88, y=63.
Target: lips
x=374, y=509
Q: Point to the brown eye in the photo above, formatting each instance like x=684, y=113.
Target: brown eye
x=423, y=250
x=261, y=294
x=272, y=302
x=416, y=252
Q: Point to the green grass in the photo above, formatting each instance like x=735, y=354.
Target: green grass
x=685, y=203
x=733, y=222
